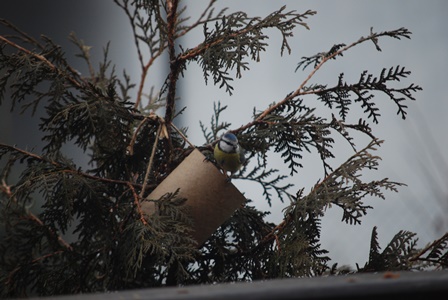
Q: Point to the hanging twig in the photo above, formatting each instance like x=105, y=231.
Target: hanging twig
x=151, y=160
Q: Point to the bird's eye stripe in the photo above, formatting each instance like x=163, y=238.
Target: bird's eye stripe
x=228, y=143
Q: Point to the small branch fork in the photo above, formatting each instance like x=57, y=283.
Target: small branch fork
x=274, y=233
x=419, y=255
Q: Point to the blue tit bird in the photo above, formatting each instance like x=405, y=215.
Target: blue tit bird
x=228, y=153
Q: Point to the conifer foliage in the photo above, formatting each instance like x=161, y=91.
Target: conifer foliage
x=70, y=229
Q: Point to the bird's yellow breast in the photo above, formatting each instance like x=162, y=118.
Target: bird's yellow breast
x=228, y=161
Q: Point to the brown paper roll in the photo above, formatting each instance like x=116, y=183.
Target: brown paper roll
x=211, y=199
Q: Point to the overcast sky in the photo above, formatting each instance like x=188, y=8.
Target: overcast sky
x=414, y=150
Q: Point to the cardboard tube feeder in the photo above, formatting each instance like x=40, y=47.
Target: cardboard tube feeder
x=211, y=198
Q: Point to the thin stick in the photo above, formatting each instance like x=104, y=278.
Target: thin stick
x=137, y=204
x=182, y=135
x=151, y=160
x=130, y=147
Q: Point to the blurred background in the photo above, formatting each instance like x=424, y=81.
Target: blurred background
x=414, y=149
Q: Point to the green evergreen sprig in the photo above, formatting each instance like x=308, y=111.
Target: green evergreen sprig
x=340, y=95
x=238, y=37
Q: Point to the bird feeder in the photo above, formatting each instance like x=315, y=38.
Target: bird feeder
x=211, y=197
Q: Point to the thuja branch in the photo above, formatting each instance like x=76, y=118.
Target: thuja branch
x=432, y=248
x=342, y=187
x=58, y=165
x=7, y=190
x=42, y=58
x=201, y=20
x=256, y=25
x=321, y=60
